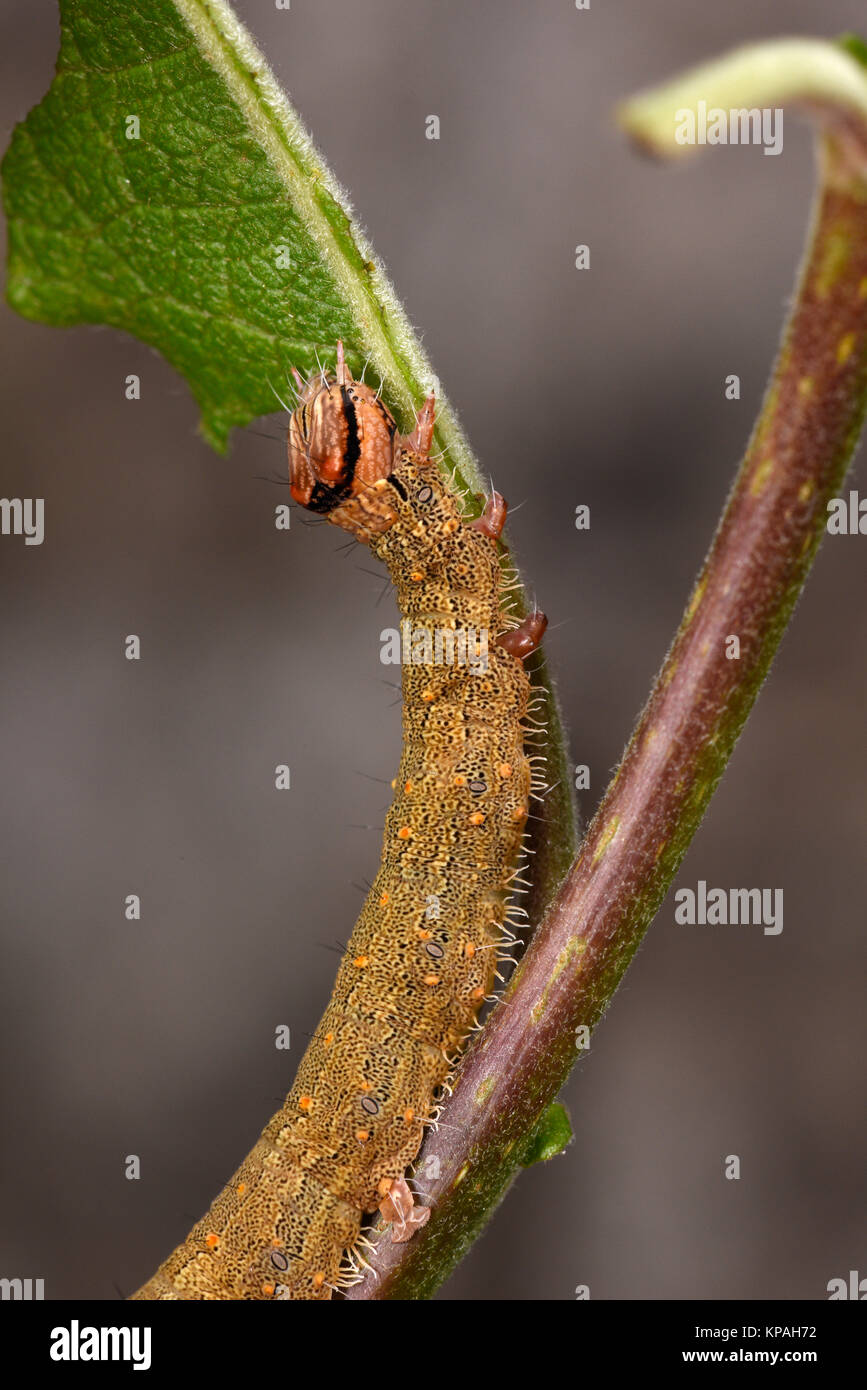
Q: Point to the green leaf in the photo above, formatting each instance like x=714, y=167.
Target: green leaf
x=551, y=1136
x=166, y=187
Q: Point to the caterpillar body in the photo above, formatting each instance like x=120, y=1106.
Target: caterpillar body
x=423, y=954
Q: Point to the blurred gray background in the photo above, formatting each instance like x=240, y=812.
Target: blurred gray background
x=259, y=647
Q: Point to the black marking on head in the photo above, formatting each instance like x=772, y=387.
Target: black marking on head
x=325, y=497
x=352, y=452
x=398, y=486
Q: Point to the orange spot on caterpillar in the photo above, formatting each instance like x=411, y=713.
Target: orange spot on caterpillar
x=212, y=1240
x=416, y=576
x=276, y=1242
x=407, y=786
x=408, y=1115
x=424, y=934
x=505, y=769
x=477, y=993
x=366, y=1086
x=384, y=1186
x=328, y=1039
x=305, y=1102
x=362, y=1135
x=460, y=780
x=431, y=979
x=519, y=813
x=477, y=818
x=241, y=1189
x=470, y=950
x=361, y=961
x=383, y=900
x=318, y=1279
x=268, y=1290
x=404, y=833
x=428, y=697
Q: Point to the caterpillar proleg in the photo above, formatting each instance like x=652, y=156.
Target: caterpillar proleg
x=423, y=954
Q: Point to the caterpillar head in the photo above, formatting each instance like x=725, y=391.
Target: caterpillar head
x=341, y=444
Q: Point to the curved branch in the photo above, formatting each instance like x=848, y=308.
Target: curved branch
x=754, y=572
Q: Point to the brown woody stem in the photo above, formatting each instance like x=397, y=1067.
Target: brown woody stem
x=759, y=559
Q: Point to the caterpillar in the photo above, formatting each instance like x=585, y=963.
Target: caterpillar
x=423, y=954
